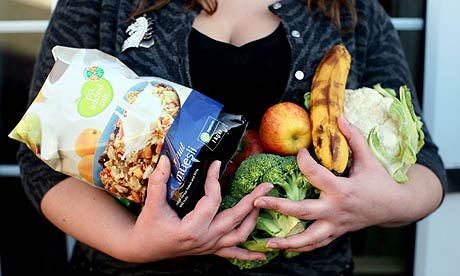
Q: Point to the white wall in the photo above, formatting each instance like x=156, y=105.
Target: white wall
x=442, y=78
x=437, y=249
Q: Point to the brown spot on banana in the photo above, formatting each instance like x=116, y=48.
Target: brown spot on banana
x=326, y=105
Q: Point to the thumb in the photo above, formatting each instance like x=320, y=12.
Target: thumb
x=356, y=141
x=156, y=187
x=317, y=175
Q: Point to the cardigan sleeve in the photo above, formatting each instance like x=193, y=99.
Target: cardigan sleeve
x=386, y=64
x=74, y=23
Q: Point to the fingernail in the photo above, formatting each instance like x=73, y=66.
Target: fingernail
x=260, y=203
x=303, y=153
x=269, y=187
x=273, y=245
x=163, y=158
x=344, y=119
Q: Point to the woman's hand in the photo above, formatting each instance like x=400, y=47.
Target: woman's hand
x=159, y=233
x=369, y=196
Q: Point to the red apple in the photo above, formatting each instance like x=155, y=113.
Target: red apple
x=285, y=128
x=250, y=144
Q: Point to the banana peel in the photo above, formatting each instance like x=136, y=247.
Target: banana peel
x=326, y=105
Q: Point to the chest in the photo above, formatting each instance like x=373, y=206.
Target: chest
x=238, y=22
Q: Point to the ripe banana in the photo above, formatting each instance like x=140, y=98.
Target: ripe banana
x=326, y=104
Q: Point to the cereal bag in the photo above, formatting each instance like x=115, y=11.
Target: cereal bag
x=96, y=120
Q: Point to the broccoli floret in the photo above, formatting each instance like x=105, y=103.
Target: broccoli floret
x=250, y=172
x=290, y=179
x=290, y=254
x=228, y=201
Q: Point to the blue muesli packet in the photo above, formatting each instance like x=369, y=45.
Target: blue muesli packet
x=200, y=134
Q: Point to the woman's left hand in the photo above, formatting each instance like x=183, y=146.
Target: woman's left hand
x=369, y=196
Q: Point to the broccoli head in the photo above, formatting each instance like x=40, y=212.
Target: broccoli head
x=289, y=182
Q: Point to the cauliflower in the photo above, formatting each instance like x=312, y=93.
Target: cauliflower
x=368, y=99
x=393, y=130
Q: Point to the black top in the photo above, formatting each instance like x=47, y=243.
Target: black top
x=236, y=74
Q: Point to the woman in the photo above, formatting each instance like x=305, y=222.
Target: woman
x=259, y=53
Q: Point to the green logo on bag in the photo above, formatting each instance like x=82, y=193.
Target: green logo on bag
x=94, y=73
x=95, y=97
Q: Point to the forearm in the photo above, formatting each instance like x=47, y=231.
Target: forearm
x=421, y=195
x=90, y=215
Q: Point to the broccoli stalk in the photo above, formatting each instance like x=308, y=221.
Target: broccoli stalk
x=257, y=245
x=278, y=225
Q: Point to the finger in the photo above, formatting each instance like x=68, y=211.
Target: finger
x=308, y=209
x=318, y=175
x=240, y=253
x=357, y=142
x=230, y=218
x=240, y=234
x=316, y=233
x=156, y=187
x=312, y=247
x=207, y=207
x=156, y=205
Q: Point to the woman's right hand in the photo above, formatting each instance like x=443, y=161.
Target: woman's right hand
x=159, y=233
